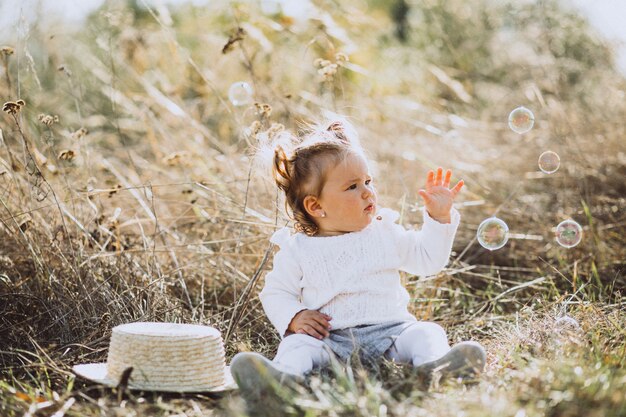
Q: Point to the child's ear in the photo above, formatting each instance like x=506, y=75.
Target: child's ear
x=312, y=206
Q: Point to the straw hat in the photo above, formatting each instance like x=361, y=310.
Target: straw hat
x=165, y=357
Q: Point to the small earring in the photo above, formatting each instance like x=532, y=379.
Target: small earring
x=323, y=214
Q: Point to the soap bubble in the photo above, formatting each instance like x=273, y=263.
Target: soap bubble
x=492, y=233
x=569, y=233
x=240, y=93
x=521, y=120
x=567, y=323
x=549, y=162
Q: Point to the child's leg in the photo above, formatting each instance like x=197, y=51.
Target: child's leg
x=419, y=343
x=297, y=355
x=425, y=346
x=300, y=353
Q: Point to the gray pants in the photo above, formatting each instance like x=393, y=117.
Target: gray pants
x=411, y=342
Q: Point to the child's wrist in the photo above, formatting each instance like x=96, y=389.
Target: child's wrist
x=445, y=219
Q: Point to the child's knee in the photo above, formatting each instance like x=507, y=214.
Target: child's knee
x=301, y=353
x=434, y=330
x=426, y=334
x=295, y=341
x=426, y=329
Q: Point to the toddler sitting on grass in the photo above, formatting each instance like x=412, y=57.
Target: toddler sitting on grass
x=335, y=286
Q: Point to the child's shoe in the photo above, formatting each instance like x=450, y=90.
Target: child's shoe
x=260, y=380
x=464, y=360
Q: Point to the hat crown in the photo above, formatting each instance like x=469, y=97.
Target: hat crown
x=167, y=356
x=166, y=330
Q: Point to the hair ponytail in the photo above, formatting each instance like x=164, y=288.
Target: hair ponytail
x=281, y=169
x=290, y=178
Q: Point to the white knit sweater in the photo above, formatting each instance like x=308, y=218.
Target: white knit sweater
x=354, y=277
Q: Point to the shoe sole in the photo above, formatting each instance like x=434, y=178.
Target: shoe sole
x=256, y=376
x=464, y=360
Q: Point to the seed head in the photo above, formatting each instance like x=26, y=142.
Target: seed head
x=177, y=158
x=48, y=119
x=263, y=109
x=67, y=155
x=7, y=50
x=80, y=133
x=328, y=71
x=13, y=107
x=114, y=190
x=340, y=58
x=233, y=39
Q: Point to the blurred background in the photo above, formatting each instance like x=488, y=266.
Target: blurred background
x=605, y=16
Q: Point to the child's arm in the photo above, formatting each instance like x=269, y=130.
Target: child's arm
x=426, y=252
x=281, y=293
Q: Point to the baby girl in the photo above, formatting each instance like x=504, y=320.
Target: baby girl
x=335, y=288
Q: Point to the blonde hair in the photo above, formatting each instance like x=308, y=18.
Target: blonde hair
x=299, y=169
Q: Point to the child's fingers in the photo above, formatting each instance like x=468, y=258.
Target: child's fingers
x=439, y=176
x=457, y=188
x=325, y=315
x=446, y=179
x=321, y=320
x=424, y=196
x=430, y=179
x=315, y=330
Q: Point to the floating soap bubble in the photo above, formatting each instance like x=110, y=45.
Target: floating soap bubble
x=492, y=233
x=521, y=120
x=240, y=93
x=567, y=323
x=549, y=162
x=569, y=233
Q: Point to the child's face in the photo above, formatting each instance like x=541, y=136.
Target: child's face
x=348, y=197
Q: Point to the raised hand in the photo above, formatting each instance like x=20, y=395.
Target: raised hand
x=437, y=195
x=310, y=322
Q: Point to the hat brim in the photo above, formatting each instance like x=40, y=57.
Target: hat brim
x=97, y=372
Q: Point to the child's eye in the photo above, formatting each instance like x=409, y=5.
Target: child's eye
x=368, y=182
x=352, y=187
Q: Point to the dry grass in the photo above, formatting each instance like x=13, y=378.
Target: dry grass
x=127, y=193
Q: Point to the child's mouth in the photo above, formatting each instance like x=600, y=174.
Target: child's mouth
x=369, y=208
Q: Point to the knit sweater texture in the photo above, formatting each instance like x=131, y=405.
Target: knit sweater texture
x=354, y=277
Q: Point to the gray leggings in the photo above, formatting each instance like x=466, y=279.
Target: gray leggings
x=418, y=343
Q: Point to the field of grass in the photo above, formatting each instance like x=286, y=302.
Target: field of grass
x=128, y=192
